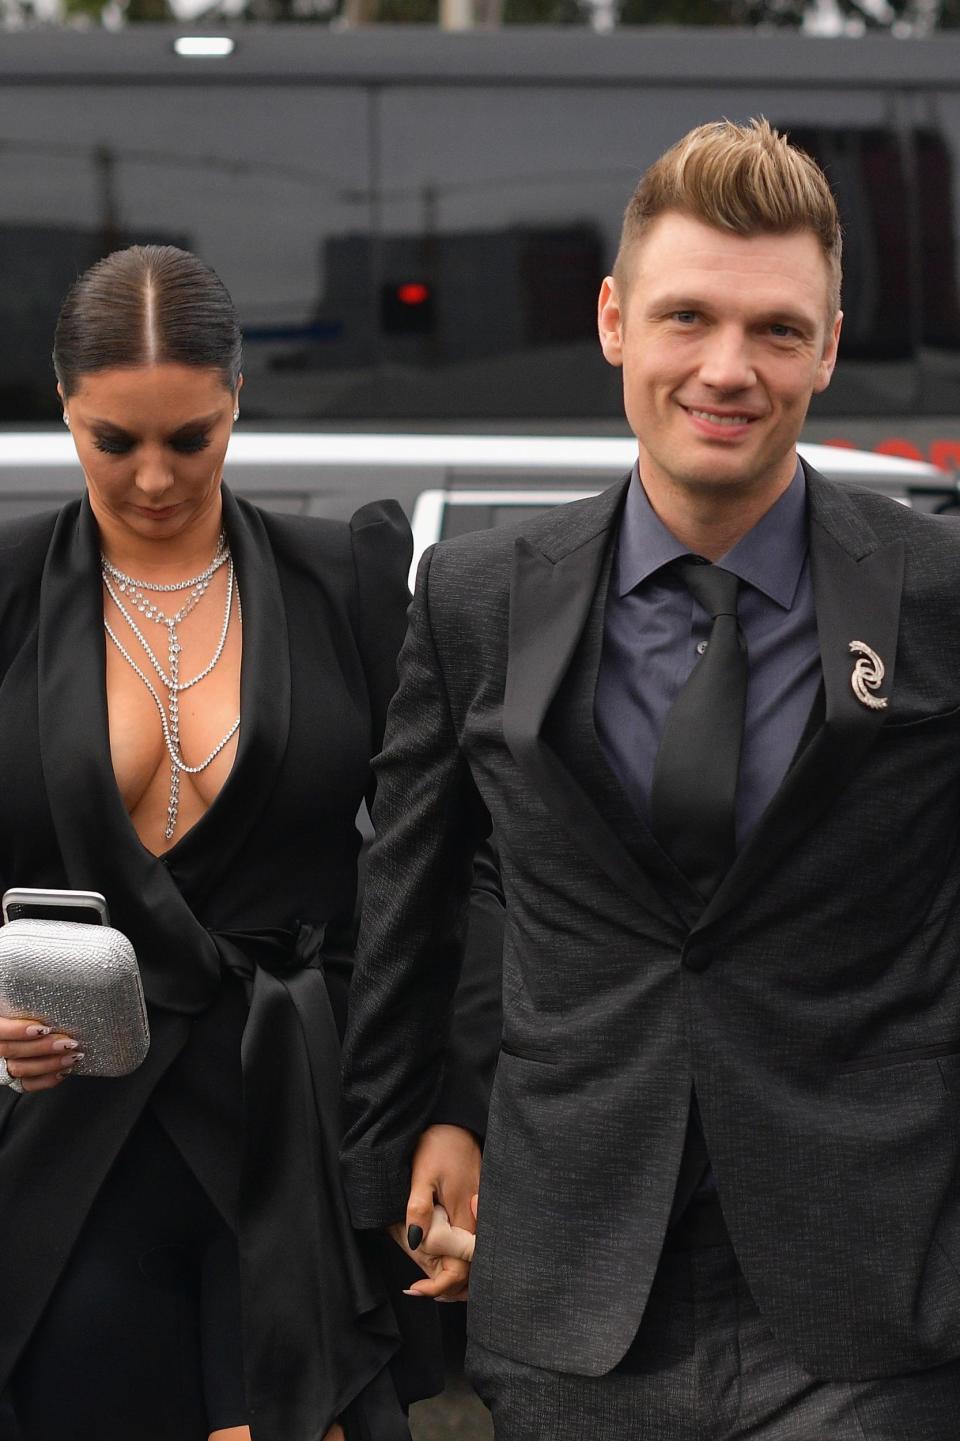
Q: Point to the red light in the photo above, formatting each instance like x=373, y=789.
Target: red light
x=413, y=293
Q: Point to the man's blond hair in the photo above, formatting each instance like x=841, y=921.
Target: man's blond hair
x=747, y=179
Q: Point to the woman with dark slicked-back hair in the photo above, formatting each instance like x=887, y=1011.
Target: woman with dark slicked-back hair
x=191, y=690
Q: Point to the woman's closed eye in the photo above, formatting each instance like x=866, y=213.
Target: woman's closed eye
x=191, y=444
x=184, y=444
x=113, y=444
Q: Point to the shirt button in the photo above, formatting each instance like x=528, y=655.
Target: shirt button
x=702, y=646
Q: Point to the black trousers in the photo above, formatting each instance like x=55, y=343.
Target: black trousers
x=704, y=1367
x=141, y=1339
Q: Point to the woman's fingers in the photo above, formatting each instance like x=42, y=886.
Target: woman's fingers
x=14, y=1028
x=43, y=1074
x=45, y=1083
x=35, y=1055
x=447, y=1282
x=26, y=1070
x=30, y=1050
x=26, y=1040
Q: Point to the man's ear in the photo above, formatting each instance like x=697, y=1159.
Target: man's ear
x=610, y=322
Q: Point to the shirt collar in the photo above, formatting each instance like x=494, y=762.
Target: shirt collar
x=769, y=557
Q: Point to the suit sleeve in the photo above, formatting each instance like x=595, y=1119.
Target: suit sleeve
x=416, y=1050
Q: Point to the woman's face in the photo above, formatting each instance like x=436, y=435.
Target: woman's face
x=152, y=442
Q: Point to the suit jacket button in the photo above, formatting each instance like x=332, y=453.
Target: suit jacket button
x=696, y=958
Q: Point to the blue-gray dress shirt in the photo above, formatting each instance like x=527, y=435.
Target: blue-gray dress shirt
x=653, y=628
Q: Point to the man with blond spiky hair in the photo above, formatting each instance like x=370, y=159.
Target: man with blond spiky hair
x=713, y=717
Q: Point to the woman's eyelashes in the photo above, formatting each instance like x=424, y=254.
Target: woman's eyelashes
x=112, y=445
x=183, y=444
x=190, y=444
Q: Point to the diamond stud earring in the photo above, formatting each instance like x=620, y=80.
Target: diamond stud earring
x=66, y=420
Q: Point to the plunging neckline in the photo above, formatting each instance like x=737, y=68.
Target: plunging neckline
x=168, y=851
x=100, y=845
x=201, y=819
x=165, y=856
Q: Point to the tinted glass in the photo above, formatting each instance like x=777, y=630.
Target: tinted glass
x=259, y=181
x=461, y=519
x=517, y=201
x=430, y=252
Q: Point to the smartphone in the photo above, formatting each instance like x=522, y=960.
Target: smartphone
x=38, y=903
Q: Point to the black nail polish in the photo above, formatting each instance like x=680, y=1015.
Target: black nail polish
x=414, y=1236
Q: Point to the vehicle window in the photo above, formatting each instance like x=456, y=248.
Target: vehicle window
x=429, y=251
x=260, y=182
x=460, y=519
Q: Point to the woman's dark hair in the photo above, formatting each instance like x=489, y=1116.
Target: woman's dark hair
x=147, y=305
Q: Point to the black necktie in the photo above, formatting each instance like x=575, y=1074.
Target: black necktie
x=693, y=797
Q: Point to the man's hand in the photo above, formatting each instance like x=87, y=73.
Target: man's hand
x=446, y=1172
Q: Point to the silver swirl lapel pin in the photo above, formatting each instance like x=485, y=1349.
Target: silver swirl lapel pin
x=867, y=676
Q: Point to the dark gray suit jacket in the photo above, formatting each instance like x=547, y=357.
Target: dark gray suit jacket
x=815, y=1003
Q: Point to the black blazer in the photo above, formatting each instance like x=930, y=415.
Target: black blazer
x=244, y=913
x=815, y=1003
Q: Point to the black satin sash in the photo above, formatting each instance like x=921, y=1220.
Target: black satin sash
x=316, y=1332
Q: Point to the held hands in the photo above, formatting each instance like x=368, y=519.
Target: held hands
x=441, y=1244
x=445, y=1240
x=445, y=1180
x=36, y=1056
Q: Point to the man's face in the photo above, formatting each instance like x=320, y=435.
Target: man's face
x=723, y=339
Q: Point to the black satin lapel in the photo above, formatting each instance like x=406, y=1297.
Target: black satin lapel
x=98, y=845
x=856, y=600
x=208, y=850
x=74, y=733
x=549, y=606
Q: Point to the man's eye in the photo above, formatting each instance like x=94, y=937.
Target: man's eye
x=112, y=446
x=783, y=331
x=191, y=444
x=685, y=317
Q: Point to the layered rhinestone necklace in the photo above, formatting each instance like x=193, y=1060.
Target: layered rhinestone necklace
x=139, y=595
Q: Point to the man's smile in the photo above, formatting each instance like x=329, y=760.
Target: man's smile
x=715, y=417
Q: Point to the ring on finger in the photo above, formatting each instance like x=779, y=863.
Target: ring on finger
x=6, y=1079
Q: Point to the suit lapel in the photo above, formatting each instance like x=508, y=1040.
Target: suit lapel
x=555, y=577
x=857, y=585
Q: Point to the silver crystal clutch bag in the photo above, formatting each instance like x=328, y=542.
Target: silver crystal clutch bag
x=81, y=979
